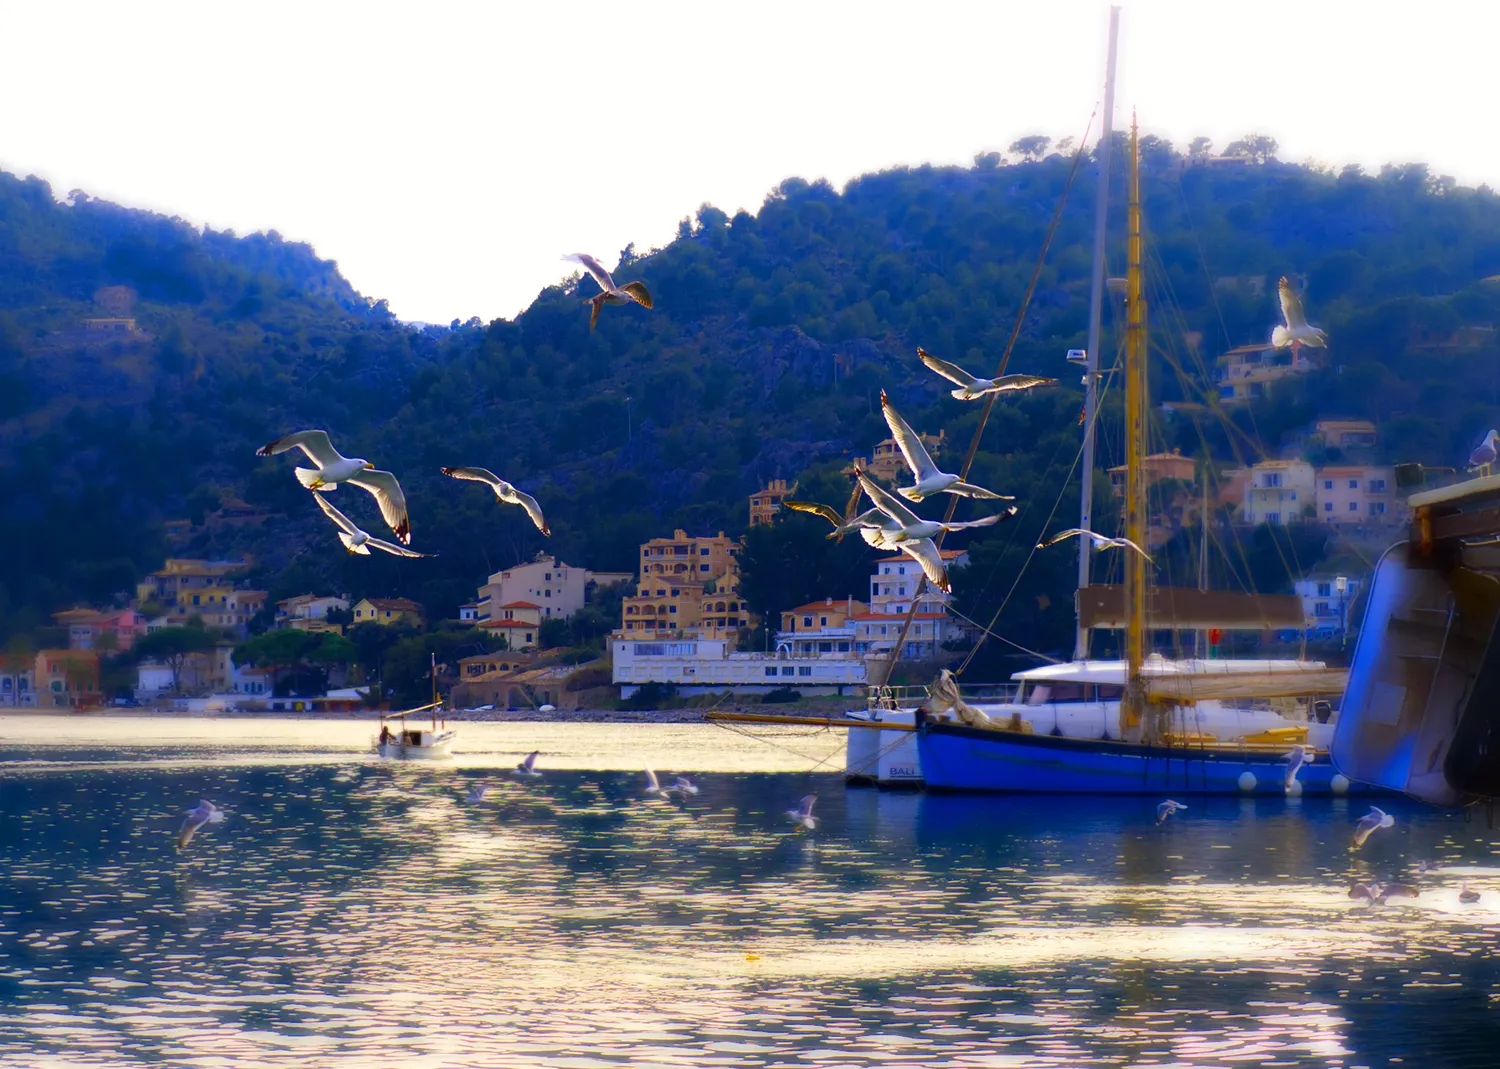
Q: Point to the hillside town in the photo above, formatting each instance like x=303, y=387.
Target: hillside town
x=192, y=635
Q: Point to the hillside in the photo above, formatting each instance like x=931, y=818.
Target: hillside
x=772, y=336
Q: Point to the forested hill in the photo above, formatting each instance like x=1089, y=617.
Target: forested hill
x=771, y=338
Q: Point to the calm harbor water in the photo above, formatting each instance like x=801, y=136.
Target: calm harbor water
x=354, y=912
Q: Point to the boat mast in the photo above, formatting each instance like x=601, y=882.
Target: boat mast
x=1200, y=641
x=433, y=662
x=1091, y=365
x=1133, y=704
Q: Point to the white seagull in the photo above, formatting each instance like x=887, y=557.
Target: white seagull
x=504, y=491
x=1294, y=762
x=652, y=786
x=610, y=293
x=476, y=794
x=1100, y=541
x=803, y=813
x=972, y=387
x=1166, y=809
x=1483, y=457
x=923, y=550
x=684, y=785
x=1467, y=895
x=1375, y=818
x=358, y=541
x=1295, y=332
x=333, y=468
x=528, y=766
x=871, y=524
x=205, y=812
x=929, y=479
x=910, y=526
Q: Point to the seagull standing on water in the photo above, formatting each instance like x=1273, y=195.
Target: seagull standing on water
x=802, y=815
x=1296, y=332
x=1374, y=819
x=1294, y=762
x=929, y=478
x=609, y=292
x=1100, y=541
x=971, y=387
x=504, y=491
x=527, y=765
x=1483, y=458
x=205, y=812
x=1166, y=809
x=332, y=469
x=358, y=541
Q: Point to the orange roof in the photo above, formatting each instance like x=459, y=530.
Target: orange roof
x=506, y=623
x=520, y=605
x=837, y=604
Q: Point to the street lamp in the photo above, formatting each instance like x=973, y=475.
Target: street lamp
x=1341, y=587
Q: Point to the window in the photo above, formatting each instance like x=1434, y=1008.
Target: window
x=548, y=594
x=1354, y=484
x=1377, y=486
x=1354, y=506
x=195, y=599
x=528, y=636
x=843, y=647
x=703, y=553
x=1273, y=479
x=672, y=609
x=788, y=670
x=1294, y=495
x=547, y=577
x=1273, y=517
x=804, y=670
x=703, y=567
x=1325, y=590
x=675, y=592
x=1328, y=506
x=1377, y=508
x=822, y=621
x=902, y=592
x=770, y=671
x=1327, y=484
x=901, y=570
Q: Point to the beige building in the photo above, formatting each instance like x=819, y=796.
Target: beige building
x=1280, y=492
x=1357, y=494
x=387, y=611
x=309, y=612
x=1345, y=433
x=180, y=575
x=766, y=503
x=1247, y=371
x=557, y=587
x=888, y=465
x=695, y=559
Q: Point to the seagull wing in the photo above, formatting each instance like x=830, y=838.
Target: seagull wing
x=1291, y=306
x=917, y=457
x=888, y=503
x=984, y=521
x=345, y=523
x=638, y=293
x=925, y=552
x=651, y=782
x=595, y=268
x=395, y=550
x=1063, y=536
x=1125, y=543
x=815, y=508
x=1021, y=382
x=952, y=372
x=805, y=807
x=475, y=475
x=527, y=502
x=392, y=501
x=530, y=760
x=314, y=443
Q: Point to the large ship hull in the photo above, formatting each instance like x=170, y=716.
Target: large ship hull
x=957, y=757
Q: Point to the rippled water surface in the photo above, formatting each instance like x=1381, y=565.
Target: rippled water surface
x=356, y=912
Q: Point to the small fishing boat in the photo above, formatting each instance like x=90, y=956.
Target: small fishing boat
x=421, y=742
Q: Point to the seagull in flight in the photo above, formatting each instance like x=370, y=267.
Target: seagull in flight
x=1295, y=332
x=653, y=786
x=1483, y=458
x=477, y=793
x=871, y=521
x=1100, y=541
x=1294, y=762
x=972, y=387
x=910, y=526
x=684, y=786
x=205, y=812
x=803, y=813
x=504, y=491
x=609, y=292
x=1368, y=824
x=358, y=541
x=1166, y=809
x=929, y=478
x=333, y=469
x=527, y=767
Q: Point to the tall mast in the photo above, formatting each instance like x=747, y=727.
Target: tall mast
x=1096, y=306
x=1133, y=705
x=1200, y=642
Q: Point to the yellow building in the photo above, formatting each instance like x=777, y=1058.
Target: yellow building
x=766, y=503
x=181, y=575
x=681, y=557
x=888, y=465
x=387, y=611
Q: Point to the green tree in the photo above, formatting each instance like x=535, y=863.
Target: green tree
x=1031, y=147
x=172, y=646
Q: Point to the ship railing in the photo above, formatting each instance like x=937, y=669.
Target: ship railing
x=907, y=697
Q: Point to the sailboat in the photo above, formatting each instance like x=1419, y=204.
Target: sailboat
x=416, y=743
x=1144, y=724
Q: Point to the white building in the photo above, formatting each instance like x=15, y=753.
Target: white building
x=560, y=589
x=895, y=582
x=1280, y=492
x=696, y=666
x=1324, y=608
x=309, y=612
x=892, y=588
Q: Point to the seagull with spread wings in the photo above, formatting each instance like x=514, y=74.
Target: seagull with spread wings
x=930, y=479
x=1369, y=824
x=205, y=812
x=609, y=292
x=504, y=491
x=1100, y=541
x=912, y=527
x=1296, y=331
x=803, y=814
x=358, y=541
x=872, y=524
x=333, y=469
x=971, y=387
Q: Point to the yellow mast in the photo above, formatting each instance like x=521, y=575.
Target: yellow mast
x=1133, y=705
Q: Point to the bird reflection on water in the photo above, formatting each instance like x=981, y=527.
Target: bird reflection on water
x=363, y=913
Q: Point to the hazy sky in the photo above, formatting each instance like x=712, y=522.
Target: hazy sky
x=447, y=154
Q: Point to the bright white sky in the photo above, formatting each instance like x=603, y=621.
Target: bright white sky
x=447, y=154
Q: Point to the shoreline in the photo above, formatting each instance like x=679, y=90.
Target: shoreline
x=459, y=716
